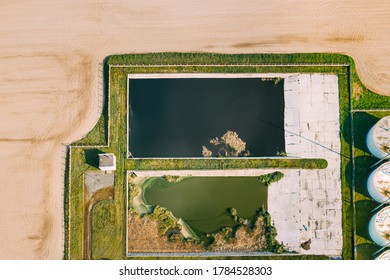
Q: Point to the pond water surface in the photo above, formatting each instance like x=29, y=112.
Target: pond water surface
x=202, y=201
x=176, y=117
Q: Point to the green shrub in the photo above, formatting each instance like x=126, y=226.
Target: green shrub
x=273, y=245
x=165, y=217
x=270, y=178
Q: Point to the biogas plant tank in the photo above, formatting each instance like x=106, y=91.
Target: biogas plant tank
x=378, y=183
x=379, y=227
x=384, y=256
x=378, y=138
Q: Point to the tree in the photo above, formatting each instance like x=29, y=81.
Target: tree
x=270, y=178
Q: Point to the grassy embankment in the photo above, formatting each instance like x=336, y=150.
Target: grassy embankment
x=114, y=247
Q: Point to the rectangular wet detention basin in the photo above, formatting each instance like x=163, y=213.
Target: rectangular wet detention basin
x=203, y=202
x=196, y=214
x=175, y=117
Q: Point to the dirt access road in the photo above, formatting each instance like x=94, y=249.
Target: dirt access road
x=49, y=56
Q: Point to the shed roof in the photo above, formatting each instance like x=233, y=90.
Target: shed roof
x=107, y=159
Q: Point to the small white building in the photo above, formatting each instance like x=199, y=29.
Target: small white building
x=384, y=256
x=378, y=138
x=378, y=183
x=107, y=162
x=379, y=227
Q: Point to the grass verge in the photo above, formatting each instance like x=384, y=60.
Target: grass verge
x=104, y=226
x=190, y=164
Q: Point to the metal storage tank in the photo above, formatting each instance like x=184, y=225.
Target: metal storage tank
x=384, y=256
x=378, y=138
x=378, y=183
x=379, y=227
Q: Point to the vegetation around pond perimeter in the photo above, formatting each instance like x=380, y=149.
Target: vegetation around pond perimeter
x=219, y=213
x=81, y=159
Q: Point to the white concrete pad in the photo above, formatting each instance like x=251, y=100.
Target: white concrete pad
x=312, y=129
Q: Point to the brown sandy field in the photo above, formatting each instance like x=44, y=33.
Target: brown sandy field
x=49, y=56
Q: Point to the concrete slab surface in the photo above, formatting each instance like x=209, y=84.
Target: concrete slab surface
x=306, y=204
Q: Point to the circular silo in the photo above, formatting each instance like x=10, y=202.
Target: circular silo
x=378, y=183
x=378, y=138
x=384, y=256
x=379, y=227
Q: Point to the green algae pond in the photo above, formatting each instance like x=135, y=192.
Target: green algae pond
x=202, y=202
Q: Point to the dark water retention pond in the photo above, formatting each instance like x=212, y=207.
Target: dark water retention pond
x=176, y=117
x=202, y=201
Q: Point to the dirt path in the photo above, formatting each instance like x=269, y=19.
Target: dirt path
x=49, y=56
x=102, y=194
